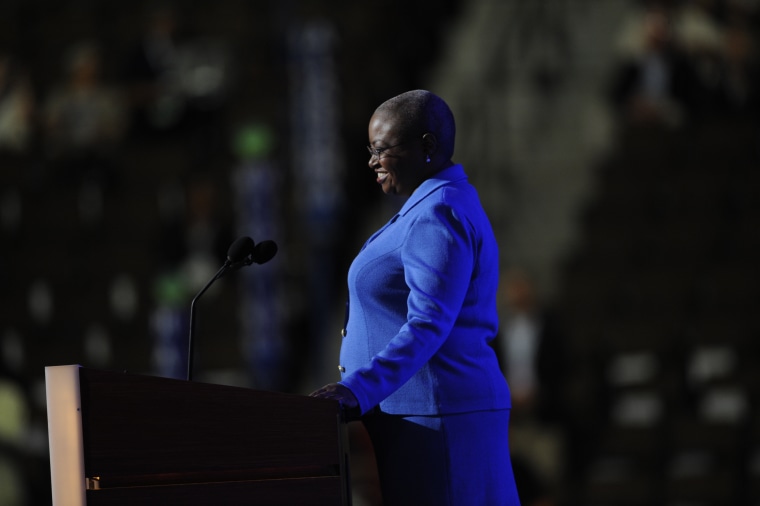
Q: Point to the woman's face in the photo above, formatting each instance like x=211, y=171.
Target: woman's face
x=399, y=166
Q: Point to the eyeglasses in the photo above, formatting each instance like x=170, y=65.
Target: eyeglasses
x=378, y=152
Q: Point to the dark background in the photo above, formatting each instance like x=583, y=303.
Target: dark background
x=656, y=302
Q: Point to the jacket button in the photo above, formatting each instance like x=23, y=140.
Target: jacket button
x=341, y=368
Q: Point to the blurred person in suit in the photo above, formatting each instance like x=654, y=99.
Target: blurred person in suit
x=84, y=119
x=656, y=84
x=533, y=356
x=531, y=349
x=737, y=89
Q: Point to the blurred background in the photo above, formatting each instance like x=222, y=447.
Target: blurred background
x=614, y=144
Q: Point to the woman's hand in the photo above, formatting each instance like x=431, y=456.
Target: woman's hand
x=344, y=396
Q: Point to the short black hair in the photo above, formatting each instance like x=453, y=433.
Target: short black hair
x=418, y=112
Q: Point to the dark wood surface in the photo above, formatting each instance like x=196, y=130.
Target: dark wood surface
x=170, y=435
x=294, y=492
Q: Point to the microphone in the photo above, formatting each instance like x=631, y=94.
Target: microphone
x=240, y=249
x=242, y=252
x=264, y=252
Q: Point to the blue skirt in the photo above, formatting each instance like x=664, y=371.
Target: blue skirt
x=447, y=460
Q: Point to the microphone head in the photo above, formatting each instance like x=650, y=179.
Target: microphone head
x=264, y=251
x=241, y=249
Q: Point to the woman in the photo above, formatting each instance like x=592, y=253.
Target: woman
x=415, y=358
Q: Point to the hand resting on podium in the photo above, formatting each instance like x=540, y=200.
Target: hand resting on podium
x=344, y=396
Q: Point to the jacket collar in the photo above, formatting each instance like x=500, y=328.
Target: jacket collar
x=452, y=174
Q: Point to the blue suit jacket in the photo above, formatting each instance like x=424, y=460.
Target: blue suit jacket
x=422, y=301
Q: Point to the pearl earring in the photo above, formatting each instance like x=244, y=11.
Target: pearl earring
x=428, y=159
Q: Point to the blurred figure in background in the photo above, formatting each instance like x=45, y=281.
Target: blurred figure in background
x=84, y=120
x=531, y=349
x=738, y=82
x=156, y=103
x=655, y=83
x=531, y=352
x=177, y=83
x=16, y=106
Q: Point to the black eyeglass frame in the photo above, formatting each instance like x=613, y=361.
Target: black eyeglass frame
x=378, y=152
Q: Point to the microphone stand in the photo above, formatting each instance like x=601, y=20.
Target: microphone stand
x=218, y=275
x=255, y=254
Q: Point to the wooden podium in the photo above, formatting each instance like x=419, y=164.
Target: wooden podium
x=126, y=439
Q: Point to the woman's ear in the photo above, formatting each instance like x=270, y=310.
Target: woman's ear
x=429, y=144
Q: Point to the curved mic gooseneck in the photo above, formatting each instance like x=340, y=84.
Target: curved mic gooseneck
x=242, y=252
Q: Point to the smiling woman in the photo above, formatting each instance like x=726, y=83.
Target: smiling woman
x=416, y=365
x=405, y=148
